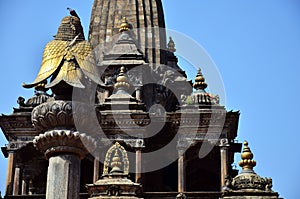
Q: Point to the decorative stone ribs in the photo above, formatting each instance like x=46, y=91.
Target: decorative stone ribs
x=252, y=181
x=64, y=141
x=52, y=114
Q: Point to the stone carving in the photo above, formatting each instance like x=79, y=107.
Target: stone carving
x=181, y=196
x=52, y=114
x=114, y=183
x=60, y=113
x=248, y=179
x=114, y=150
x=64, y=141
x=113, y=190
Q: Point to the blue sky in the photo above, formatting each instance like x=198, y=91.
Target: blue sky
x=254, y=44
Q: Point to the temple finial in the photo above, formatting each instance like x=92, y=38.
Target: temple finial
x=200, y=81
x=122, y=81
x=171, y=45
x=124, y=25
x=116, y=163
x=247, y=162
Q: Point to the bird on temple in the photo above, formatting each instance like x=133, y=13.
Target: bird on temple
x=73, y=12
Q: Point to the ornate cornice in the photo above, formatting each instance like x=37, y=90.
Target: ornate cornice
x=55, y=142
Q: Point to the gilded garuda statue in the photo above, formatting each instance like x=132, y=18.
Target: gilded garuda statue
x=68, y=59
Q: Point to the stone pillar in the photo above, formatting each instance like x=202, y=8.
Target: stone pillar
x=63, y=180
x=64, y=149
x=138, y=94
x=224, y=145
x=16, y=181
x=10, y=173
x=182, y=146
x=96, y=170
x=24, y=187
x=181, y=172
x=138, y=165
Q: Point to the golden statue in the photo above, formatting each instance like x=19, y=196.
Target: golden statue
x=68, y=57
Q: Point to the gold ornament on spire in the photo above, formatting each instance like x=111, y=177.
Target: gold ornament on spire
x=122, y=81
x=124, y=26
x=171, y=45
x=247, y=162
x=200, y=81
x=116, y=163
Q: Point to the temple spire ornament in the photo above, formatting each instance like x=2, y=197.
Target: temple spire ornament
x=247, y=162
x=248, y=181
x=200, y=96
x=171, y=45
x=122, y=81
x=124, y=26
x=200, y=81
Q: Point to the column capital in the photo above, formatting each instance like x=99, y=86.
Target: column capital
x=56, y=142
x=224, y=142
x=183, y=145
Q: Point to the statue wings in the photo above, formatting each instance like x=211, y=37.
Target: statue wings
x=69, y=63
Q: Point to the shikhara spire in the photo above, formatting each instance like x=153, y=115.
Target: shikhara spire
x=146, y=18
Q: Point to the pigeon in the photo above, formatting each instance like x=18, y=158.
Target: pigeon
x=73, y=13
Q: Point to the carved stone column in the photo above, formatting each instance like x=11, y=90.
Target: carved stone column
x=138, y=165
x=96, y=169
x=182, y=146
x=64, y=149
x=10, y=172
x=24, y=186
x=224, y=145
x=63, y=146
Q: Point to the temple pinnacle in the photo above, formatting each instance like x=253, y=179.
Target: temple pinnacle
x=122, y=81
x=247, y=162
x=171, y=45
x=124, y=26
x=199, y=81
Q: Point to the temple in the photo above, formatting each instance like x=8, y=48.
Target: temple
x=114, y=116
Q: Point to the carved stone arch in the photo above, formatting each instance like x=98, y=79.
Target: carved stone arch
x=107, y=161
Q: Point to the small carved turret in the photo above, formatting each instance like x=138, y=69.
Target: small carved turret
x=248, y=179
x=171, y=45
x=200, y=96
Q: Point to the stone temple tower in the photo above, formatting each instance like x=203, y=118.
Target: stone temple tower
x=146, y=18
x=114, y=116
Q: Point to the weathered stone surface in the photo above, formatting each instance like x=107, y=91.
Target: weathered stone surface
x=56, y=142
x=63, y=177
x=144, y=15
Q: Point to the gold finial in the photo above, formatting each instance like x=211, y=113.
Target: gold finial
x=124, y=26
x=116, y=163
x=200, y=81
x=171, y=45
x=122, y=81
x=247, y=162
